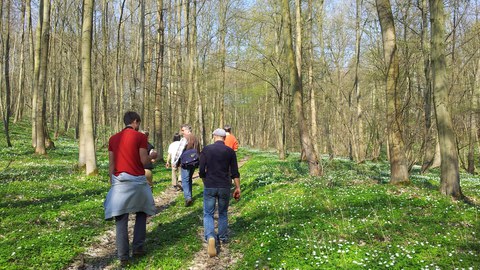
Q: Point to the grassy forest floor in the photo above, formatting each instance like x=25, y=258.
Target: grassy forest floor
x=350, y=218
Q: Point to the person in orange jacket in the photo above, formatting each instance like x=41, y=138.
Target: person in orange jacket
x=230, y=140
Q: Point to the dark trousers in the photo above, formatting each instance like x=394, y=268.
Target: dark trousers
x=139, y=233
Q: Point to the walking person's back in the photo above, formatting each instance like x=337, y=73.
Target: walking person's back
x=218, y=166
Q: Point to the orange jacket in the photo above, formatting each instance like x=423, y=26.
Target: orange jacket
x=231, y=142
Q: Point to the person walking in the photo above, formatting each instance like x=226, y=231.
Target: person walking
x=129, y=191
x=230, y=140
x=189, y=141
x=172, y=150
x=218, y=166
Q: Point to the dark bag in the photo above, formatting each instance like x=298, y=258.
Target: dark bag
x=189, y=159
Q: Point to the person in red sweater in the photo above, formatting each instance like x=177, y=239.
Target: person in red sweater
x=129, y=191
x=230, y=140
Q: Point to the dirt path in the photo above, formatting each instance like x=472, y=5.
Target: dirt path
x=102, y=254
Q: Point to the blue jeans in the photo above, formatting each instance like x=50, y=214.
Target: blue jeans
x=210, y=197
x=187, y=175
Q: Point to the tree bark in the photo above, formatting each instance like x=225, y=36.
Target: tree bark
x=223, y=33
x=159, y=83
x=42, y=77
x=6, y=69
x=21, y=81
x=314, y=165
x=87, y=96
x=398, y=162
x=194, y=69
x=450, y=176
x=359, y=141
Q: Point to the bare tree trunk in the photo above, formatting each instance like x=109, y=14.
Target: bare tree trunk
x=313, y=101
x=6, y=66
x=296, y=88
x=143, y=91
x=178, y=58
x=188, y=113
x=35, y=52
x=118, y=93
x=398, y=162
x=223, y=33
x=280, y=128
x=450, y=176
x=87, y=96
x=105, y=68
x=42, y=77
x=21, y=80
x=194, y=76
x=159, y=84
x=359, y=142
x=429, y=142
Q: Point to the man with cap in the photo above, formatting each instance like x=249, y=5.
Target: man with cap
x=218, y=166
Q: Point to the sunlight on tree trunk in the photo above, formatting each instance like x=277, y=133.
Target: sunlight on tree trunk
x=450, y=176
x=398, y=162
x=296, y=89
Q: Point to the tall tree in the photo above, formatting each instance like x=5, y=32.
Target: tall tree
x=87, y=103
x=429, y=141
x=314, y=165
x=21, y=78
x=359, y=151
x=194, y=77
x=398, y=162
x=450, y=176
x=159, y=84
x=6, y=112
x=43, y=38
x=223, y=9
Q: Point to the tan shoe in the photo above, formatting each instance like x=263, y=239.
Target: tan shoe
x=211, y=248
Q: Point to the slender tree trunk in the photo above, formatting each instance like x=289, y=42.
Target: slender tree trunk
x=142, y=65
x=450, y=176
x=429, y=142
x=359, y=142
x=223, y=33
x=21, y=81
x=118, y=92
x=296, y=88
x=159, y=84
x=87, y=96
x=42, y=77
x=194, y=64
x=105, y=68
x=178, y=58
x=398, y=162
x=6, y=66
x=280, y=128
x=313, y=101
x=35, y=52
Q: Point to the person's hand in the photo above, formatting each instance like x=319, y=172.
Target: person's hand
x=236, y=194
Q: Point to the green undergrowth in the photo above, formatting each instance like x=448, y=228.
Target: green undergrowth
x=350, y=218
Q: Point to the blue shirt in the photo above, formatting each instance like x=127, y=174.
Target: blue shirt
x=218, y=165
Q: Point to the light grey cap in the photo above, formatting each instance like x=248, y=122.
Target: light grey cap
x=219, y=132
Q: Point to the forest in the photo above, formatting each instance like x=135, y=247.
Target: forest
x=366, y=80
x=342, y=100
